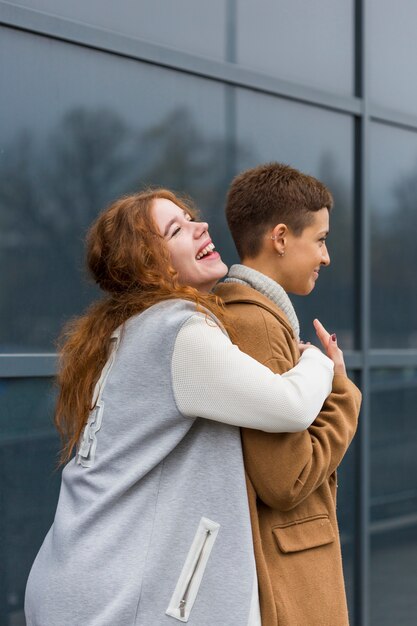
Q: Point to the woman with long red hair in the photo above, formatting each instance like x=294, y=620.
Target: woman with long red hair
x=152, y=522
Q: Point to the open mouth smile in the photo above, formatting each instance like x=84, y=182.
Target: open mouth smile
x=206, y=251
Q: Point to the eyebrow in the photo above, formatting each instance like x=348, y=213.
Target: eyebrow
x=168, y=226
x=171, y=222
x=324, y=232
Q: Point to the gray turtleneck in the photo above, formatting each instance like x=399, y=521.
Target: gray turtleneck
x=269, y=288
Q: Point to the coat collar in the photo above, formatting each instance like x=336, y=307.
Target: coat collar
x=236, y=293
x=268, y=287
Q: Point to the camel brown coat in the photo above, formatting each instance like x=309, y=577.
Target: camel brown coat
x=291, y=480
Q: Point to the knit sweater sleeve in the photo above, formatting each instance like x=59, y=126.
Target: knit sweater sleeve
x=213, y=379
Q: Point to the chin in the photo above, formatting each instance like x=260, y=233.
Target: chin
x=221, y=272
x=224, y=270
x=304, y=291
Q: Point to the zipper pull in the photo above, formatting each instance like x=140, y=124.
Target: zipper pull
x=182, y=608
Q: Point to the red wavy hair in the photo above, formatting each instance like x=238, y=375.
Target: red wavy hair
x=129, y=260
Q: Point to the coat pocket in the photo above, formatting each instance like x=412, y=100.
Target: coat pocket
x=189, y=582
x=303, y=534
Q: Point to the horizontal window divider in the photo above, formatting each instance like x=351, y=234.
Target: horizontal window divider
x=97, y=38
x=393, y=358
x=391, y=524
x=45, y=365
x=394, y=497
x=353, y=359
x=28, y=365
x=402, y=522
x=390, y=117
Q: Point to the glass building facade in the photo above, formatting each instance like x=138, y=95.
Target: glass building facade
x=100, y=98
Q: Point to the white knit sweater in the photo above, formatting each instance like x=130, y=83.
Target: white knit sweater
x=212, y=378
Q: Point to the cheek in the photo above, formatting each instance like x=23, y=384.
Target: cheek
x=176, y=259
x=182, y=262
x=315, y=256
x=305, y=260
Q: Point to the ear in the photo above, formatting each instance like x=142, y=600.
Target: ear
x=279, y=236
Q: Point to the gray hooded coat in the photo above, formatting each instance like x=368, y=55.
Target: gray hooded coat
x=152, y=525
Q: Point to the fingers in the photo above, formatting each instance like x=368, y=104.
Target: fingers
x=320, y=330
x=333, y=348
x=302, y=347
x=322, y=333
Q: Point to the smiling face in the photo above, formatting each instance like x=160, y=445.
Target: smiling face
x=190, y=246
x=294, y=261
x=304, y=255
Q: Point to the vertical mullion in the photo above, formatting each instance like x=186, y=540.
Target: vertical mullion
x=3, y=559
x=362, y=229
x=230, y=92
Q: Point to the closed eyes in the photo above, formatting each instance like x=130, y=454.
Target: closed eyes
x=176, y=230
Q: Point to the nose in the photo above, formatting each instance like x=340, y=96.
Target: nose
x=200, y=228
x=325, y=257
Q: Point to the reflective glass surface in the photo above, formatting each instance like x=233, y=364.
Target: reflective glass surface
x=77, y=129
x=393, y=497
x=196, y=27
x=291, y=39
x=319, y=143
x=393, y=201
x=304, y=42
x=29, y=483
x=392, y=53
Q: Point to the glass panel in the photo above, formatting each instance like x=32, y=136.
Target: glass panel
x=196, y=27
x=78, y=128
x=29, y=484
x=393, y=53
x=393, y=193
x=393, y=497
x=293, y=44
x=305, y=42
x=319, y=143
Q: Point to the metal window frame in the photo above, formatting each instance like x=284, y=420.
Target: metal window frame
x=45, y=364
x=362, y=283
x=28, y=365
x=363, y=359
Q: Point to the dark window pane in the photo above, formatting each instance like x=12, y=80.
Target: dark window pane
x=305, y=42
x=393, y=186
x=29, y=484
x=195, y=27
x=319, y=143
x=393, y=497
x=393, y=53
x=78, y=128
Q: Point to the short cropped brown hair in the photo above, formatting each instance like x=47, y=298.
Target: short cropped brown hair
x=269, y=194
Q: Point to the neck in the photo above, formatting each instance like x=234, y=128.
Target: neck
x=265, y=267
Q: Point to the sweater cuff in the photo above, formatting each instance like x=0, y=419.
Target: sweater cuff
x=318, y=356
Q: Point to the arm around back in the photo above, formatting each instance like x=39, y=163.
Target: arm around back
x=213, y=379
x=286, y=468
